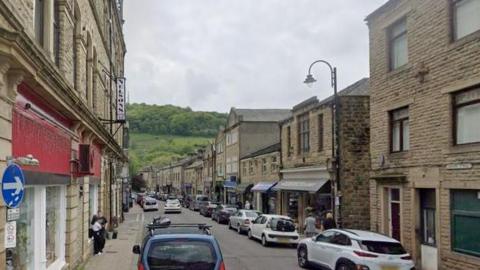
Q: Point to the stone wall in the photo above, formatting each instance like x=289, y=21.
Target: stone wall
x=272, y=174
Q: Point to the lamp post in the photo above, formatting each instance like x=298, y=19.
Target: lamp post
x=335, y=136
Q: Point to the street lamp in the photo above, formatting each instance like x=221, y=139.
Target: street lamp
x=309, y=80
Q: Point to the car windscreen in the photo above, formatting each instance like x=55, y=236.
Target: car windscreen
x=202, y=199
x=282, y=225
x=182, y=254
x=173, y=202
x=251, y=214
x=383, y=247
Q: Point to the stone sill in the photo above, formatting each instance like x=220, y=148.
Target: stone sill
x=464, y=148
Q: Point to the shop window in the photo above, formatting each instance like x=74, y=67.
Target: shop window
x=467, y=113
x=93, y=200
x=465, y=206
x=398, y=46
x=428, y=212
x=53, y=221
x=399, y=130
x=23, y=258
x=466, y=19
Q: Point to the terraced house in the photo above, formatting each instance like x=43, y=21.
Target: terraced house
x=61, y=64
x=425, y=126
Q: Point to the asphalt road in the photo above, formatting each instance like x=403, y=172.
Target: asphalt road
x=239, y=252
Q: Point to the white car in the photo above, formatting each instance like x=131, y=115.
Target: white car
x=242, y=219
x=274, y=229
x=150, y=204
x=353, y=249
x=172, y=206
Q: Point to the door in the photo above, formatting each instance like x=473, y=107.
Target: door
x=428, y=247
x=394, y=210
x=317, y=253
x=334, y=248
x=259, y=227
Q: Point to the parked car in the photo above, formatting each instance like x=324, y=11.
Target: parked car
x=172, y=206
x=353, y=249
x=242, y=219
x=186, y=246
x=150, y=204
x=195, y=206
x=206, y=209
x=222, y=213
x=274, y=229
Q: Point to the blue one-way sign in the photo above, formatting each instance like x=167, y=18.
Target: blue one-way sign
x=13, y=186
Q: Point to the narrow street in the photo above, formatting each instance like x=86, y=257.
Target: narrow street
x=239, y=252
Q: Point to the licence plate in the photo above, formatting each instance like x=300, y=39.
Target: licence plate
x=283, y=240
x=390, y=268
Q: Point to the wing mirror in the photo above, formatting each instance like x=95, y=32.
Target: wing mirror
x=136, y=249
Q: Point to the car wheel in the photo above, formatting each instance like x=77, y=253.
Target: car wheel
x=239, y=229
x=345, y=266
x=250, y=236
x=264, y=241
x=303, y=257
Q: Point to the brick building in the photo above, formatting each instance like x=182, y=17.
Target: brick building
x=425, y=115
x=307, y=172
x=54, y=96
x=260, y=172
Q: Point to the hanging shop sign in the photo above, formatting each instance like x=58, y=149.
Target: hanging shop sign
x=121, y=100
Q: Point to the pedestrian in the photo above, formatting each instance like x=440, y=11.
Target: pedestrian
x=239, y=205
x=328, y=222
x=98, y=224
x=310, y=225
x=247, y=205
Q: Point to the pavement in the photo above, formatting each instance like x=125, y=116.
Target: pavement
x=239, y=252
x=118, y=253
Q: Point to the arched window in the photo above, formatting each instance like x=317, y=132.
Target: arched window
x=76, y=32
x=56, y=32
x=94, y=81
x=39, y=24
x=88, y=70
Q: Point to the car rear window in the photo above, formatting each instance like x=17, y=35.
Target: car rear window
x=282, y=225
x=383, y=247
x=202, y=199
x=251, y=214
x=173, y=202
x=181, y=254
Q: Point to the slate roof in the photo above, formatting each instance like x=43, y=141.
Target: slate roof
x=262, y=115
x=269, y=149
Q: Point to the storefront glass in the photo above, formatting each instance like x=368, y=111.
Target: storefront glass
x=292, y=205
x=93, y=200
x=52, y=224
x=23, y=256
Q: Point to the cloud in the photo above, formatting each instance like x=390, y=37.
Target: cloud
x=215, y=54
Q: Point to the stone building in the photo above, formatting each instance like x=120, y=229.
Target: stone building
x=425, y=115
x=208, y=170
x=219, y=178
x=260, y=172
x=60, y=63
x=247, y=131
x=307, y=170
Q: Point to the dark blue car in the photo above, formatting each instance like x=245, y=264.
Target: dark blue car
x=179, y=246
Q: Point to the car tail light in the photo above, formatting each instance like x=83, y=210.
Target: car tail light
x=408, y=257
x=365, y=254
x=140, y=266
x=222, y=266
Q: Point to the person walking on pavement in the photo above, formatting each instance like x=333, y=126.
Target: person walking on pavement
x=247, y=205
x=328, y=222
x=98, y=228
x=239, y=205
x=310, y=225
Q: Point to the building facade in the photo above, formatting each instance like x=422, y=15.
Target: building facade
x=56, y=107
x=260, y=172
x=247, y=131
x=208, y=171
x=220, y=166
x=308, y=174
x=425, y=89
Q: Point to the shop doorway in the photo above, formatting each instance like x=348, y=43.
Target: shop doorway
x=428, y=246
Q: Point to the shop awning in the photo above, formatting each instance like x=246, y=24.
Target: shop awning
x=244, y=187
x=263, y=186
x=310, y=185
x=229, y=184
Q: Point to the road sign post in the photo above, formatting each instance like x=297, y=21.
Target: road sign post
x=13, y=186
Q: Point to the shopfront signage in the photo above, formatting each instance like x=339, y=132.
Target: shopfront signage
x=13, y=186
x=11, y=234
x=13, y=214
x=120, y=99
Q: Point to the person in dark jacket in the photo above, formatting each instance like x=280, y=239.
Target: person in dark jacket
x=328, y=222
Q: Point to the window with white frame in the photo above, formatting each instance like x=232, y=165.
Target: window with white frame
x=398, y=45
x=467, y=115
x=466, y=17
x=400, y=130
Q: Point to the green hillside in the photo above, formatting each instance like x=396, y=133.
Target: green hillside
x=160, y=133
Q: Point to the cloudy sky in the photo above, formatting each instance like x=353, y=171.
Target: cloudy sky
x=215, y=54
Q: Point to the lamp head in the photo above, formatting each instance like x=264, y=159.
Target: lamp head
x=309, y=80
